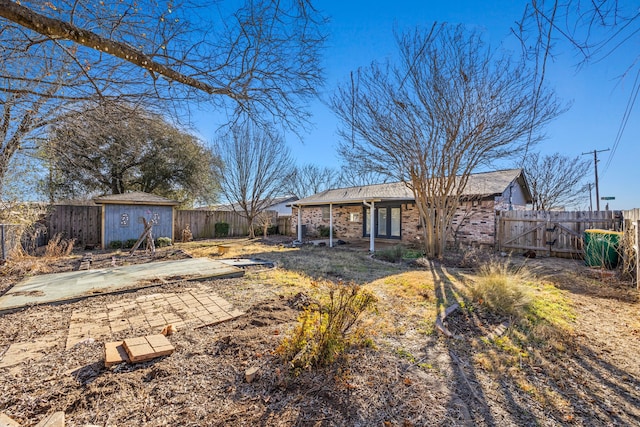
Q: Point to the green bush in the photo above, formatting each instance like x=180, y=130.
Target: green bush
x=161, y=242
x=328, y=330
x=221, y=229
x=323, y=231
x=259, y=231
x=398, y=253
x=115, y=244
x=128, y=244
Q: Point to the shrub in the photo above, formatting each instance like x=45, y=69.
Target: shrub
x=393, y=254
x=271, y=230
x=115, y=244
x=326, y=331
x=161, y=242
x=323, y=231
x=221, y=229
x=501, y=289
x=398, y=253
x=128, y=244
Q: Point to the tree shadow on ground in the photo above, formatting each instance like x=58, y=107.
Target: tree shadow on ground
x=335, y=264
x=565, y=379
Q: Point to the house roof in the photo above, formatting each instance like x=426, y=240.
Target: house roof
x=135, y=198
x=483, y=184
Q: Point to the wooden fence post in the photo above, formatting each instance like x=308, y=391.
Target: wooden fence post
x=637, y=248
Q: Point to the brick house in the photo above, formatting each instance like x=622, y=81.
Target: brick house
x=347, y=211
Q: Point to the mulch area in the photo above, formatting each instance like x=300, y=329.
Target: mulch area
x=595, y=377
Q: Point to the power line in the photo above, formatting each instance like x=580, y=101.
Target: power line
x=625, y=118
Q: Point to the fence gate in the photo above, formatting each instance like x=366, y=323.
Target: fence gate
x=558, y=234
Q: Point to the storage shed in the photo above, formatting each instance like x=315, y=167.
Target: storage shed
x=122, y=216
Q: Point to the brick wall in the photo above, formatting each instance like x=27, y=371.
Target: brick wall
x=343, y=227
x=473, y=224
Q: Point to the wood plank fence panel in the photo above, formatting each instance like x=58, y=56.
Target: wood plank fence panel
x=284, y=225
x=202, y=223
x=82, y=223
x=555, y=233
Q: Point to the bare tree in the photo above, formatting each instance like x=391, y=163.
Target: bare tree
x=311, y=179
x=255, y=166
x=555, y=180
x=448, y=106
x=260, y=59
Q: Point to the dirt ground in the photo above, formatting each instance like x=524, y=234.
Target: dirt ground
x=589, y=375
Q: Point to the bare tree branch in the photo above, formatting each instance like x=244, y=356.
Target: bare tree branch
x=57, y=29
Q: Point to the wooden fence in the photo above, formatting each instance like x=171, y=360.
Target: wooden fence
x=202, y=223
x=284, y=225
x=631, y=246
x=9, y=239
x=553, y=233
x=82, y=223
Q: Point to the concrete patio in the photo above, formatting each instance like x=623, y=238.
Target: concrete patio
x=70, y=286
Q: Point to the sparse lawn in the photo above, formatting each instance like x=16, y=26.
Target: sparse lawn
x=547, y=343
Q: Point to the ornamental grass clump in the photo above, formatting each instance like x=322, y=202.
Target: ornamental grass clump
x=328, y=329
x=501, y=289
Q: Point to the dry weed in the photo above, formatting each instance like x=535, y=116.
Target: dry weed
x=59, y=247
x=322, y=335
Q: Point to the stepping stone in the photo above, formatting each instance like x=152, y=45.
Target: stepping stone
x=54, y=420
x=141, y=349
x=114, y=354
x=6, y=421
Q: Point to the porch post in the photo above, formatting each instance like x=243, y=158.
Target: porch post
x=330, y=225
x=372, y=231
x=300, y=223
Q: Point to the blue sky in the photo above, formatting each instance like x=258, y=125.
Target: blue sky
x=362, y=31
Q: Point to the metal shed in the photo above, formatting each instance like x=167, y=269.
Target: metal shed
x=122, y=216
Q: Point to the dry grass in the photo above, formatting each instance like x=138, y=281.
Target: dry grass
x=501, y=288
x=59, y=247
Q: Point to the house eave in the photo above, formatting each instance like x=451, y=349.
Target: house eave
x=352, y=201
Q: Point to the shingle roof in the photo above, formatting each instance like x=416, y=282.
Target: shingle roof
x=479, y=184
x=135, y=198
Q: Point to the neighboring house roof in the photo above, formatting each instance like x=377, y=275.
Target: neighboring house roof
x=135, y=198
x=483, y=184
x=235, y=207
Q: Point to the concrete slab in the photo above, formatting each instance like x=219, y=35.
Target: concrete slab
x=49, y=288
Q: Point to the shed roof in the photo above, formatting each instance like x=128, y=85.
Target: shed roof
x=135, y=198
x=483, y=184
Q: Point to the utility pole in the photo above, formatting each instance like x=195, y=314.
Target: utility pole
x=590, y=199
x=595, y=167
